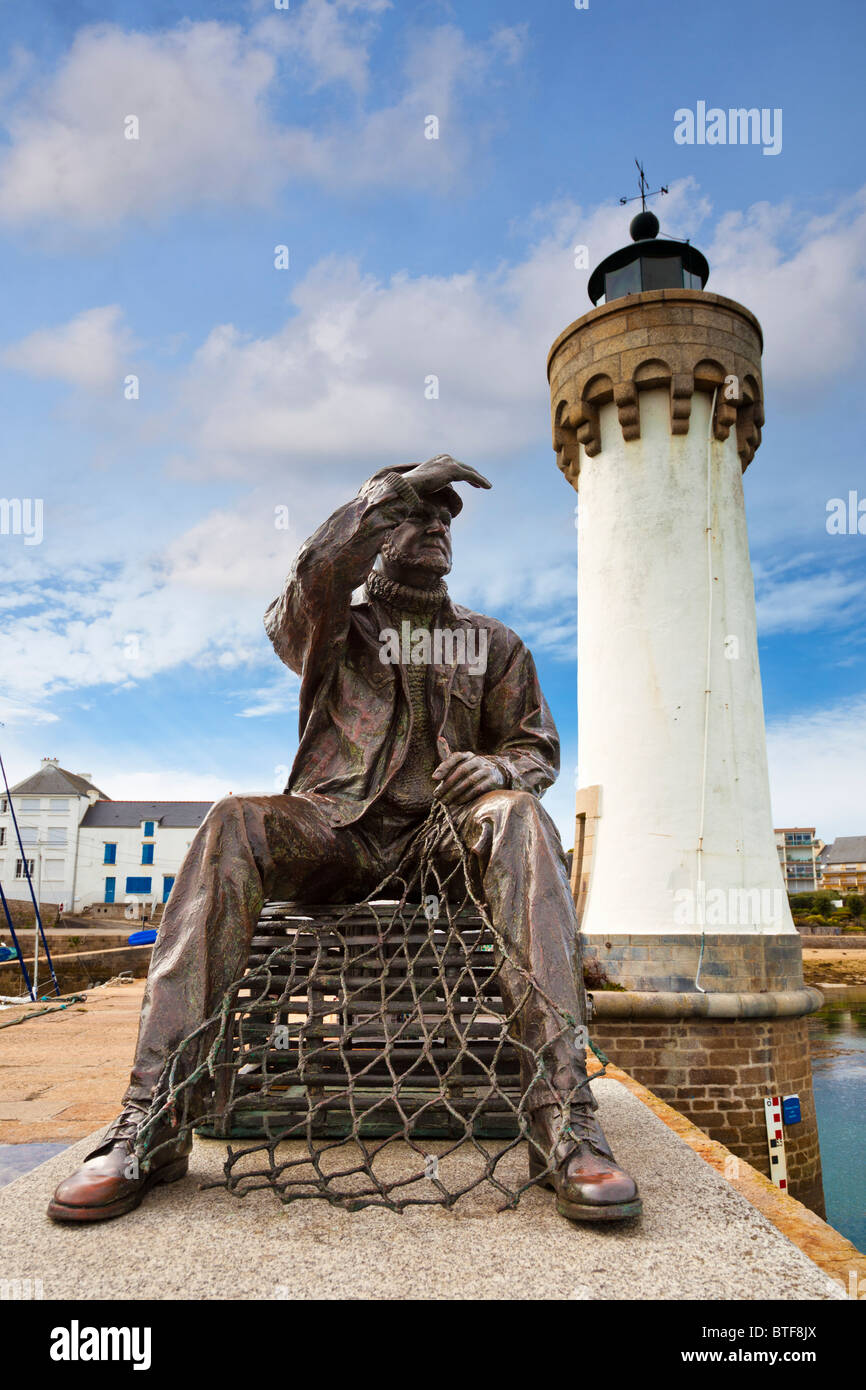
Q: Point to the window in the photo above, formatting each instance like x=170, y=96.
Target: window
x=57, y=835
x=147, y=854
x=109, y=889
x=148, y=829
x=28, y=834
x=110, y=855
x=2, y=834
x=31, y=803
x=626, y=280
x=19, y=867
x=138, y=885
x=4, y=804
x=58, y=803
x=661, y=272
x=55, y=870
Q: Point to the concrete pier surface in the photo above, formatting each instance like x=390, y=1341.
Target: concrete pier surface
x=699, y=1238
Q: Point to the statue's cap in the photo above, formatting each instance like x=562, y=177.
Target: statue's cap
x=447, y=495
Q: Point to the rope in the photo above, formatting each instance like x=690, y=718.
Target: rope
x=36, y=1013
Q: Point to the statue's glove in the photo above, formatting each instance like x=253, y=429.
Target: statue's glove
x=463, y=777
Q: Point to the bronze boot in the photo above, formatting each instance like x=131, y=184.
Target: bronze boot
x=589, y=1184
x=110, y=1182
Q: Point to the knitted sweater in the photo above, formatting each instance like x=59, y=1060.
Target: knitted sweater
x=412, y=786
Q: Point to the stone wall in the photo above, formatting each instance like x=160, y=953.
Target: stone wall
x=846, y=941
x=732, y=961
x=717, y=1075
x=82, y=970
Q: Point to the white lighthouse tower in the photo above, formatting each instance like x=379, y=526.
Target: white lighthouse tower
x=657, y=407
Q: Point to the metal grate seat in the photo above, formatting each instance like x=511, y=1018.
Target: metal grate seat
x=370, y=1019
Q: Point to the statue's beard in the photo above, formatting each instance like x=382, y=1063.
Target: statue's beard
x=434, y=565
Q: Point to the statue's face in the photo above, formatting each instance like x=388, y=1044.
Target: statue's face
x=421, y=543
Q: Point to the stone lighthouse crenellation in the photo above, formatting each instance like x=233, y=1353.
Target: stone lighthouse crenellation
x=657, y=408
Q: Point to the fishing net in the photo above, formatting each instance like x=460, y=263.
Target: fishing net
x=370, y=1052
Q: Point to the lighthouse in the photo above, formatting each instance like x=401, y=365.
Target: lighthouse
x=657, y=408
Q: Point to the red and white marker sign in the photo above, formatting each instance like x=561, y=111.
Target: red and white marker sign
x=776, y=1141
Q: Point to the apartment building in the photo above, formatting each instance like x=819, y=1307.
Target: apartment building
x=130, y=851
x=81, y=848
x=798, y=850
x=843, y=864
x=49, y=808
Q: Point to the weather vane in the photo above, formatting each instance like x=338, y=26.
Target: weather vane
x=644, y=194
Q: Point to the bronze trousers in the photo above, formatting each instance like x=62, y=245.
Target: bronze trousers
x=254, y=849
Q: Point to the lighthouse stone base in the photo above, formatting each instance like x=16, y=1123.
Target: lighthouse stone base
x=717, y=1074
x=713, y=1056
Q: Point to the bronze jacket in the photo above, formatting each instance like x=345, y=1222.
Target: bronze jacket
x=355, y=715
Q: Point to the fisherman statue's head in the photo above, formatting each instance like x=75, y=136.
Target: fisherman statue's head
x=418, y=551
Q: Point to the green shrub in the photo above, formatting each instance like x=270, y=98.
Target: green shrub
x=823, y=902
x=801, y=902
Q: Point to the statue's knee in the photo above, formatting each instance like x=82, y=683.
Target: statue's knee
x=512, y=809
x=518, y=804
x=229, y=808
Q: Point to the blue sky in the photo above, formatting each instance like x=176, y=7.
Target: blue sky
x=132, y=645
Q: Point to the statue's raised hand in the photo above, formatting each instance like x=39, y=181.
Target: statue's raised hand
x=436, y=472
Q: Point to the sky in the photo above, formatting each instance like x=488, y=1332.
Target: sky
x=187, y=410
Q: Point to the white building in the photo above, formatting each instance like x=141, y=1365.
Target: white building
x=798, y=849
x=130, y=851
x=49, y=807
x=82, y=848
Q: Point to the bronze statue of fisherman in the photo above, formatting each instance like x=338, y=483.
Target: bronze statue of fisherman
x=380, y=742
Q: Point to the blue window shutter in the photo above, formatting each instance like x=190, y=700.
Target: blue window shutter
x=148, y=829
x=110, y=854
x=147, y=854
x=167, y=885
x=138, y=885
x=109, y=889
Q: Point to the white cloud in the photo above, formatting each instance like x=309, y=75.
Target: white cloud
x=91, y=350
x=350, y=366
x=201, y=600
x=298, y=418
x=390, y=147
x=13, y=712
x=280, y=696
x=804, y=276
x=330, y=39
x=818, y=769
x=360, y=348
x=125, y=783
x=204, y=135
x=830, y=599
x=204, y=97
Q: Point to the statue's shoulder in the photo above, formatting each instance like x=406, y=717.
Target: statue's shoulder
x=498, y=633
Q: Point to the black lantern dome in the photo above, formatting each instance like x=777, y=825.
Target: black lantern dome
x=648, y=264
